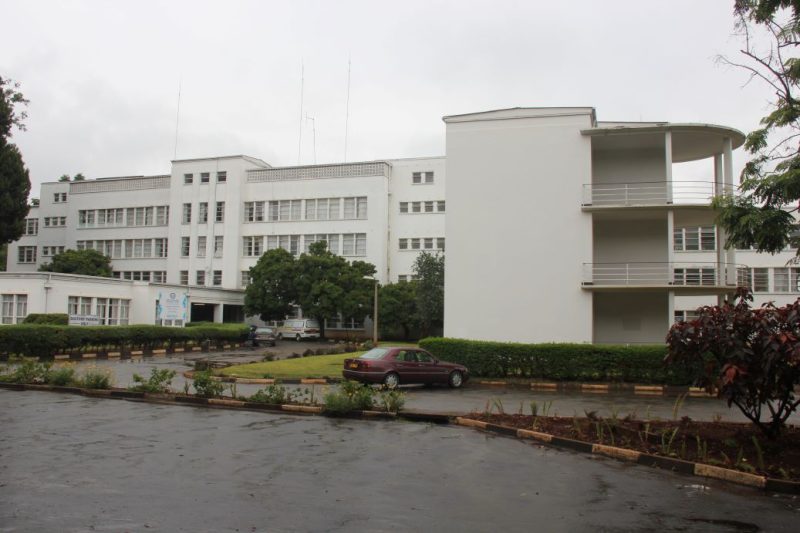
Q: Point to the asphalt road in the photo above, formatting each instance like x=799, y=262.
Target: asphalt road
x=70, y=463
x=472, y=398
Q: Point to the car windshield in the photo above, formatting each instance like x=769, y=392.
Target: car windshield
x=375, y=353
x=264, y=330
x=312, y=324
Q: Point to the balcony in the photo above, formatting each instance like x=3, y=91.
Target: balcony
x=680, y=277
x=649, y=194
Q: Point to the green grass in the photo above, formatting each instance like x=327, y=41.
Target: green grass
x=315, y=366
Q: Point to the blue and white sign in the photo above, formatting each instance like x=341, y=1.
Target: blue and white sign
x=172, y=306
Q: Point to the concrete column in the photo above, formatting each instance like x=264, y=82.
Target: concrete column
x=218, y=313
x=670, y=309
x=719, y=190
x=668, y=164
x=727, y=177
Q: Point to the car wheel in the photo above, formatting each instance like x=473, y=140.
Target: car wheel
x=298, y=338
x=456, y=379
x=391, y=381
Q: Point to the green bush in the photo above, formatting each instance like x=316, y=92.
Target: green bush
x=392, y=400
x=43, y=340
x=561, y=362
x=56, y=319
x=95, y=378
x=62, y=376
x=206, y=386
x=275, y=394
x=159, y=381
x=30, y=371
x=350, y=396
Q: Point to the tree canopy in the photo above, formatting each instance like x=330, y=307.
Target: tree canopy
x=763, y=214
x=323, y=284
x=86, y=262
x=15, y=183
x=429, y=270
x=398, y=308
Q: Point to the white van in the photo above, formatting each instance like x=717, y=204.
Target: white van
x=299, y=329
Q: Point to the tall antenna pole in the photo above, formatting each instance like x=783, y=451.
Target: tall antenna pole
x=347, y=111
x=314, y=132
x=300, y=134
x=177, y=120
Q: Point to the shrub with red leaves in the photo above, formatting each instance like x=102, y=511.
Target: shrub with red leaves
x=751, y=356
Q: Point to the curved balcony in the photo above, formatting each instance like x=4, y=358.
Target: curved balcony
x=649, y=194
x=679, y=277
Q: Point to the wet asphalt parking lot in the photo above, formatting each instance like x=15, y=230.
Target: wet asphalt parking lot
x=71, y=463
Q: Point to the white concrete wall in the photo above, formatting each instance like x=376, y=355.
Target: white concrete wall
x=628, y=166
x=631, y=240
x=630, y=317
x=516, y=236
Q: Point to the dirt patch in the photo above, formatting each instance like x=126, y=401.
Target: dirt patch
x=727, y=444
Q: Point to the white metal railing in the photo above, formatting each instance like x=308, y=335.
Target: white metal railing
x=660, y=274
x=649, y=193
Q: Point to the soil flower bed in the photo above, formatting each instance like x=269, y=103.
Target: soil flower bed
x=726, y=444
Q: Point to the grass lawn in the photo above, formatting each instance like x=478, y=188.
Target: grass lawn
x=315, y=366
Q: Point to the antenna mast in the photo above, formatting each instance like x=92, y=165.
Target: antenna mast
x=177, y=120
x=314, y=132
x=300, y=134
x=347, y=111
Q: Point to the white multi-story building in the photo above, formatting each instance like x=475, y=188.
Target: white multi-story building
x=559, y=227
x=208, y=221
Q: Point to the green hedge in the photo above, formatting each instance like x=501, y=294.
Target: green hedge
x=58, y=319
x=45, y=340
x=561, y=362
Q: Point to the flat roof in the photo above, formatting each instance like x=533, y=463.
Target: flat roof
x=521, y=112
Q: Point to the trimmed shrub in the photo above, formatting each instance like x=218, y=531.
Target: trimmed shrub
x=55, y=319
x=561, y=362
x=96, y=378
x=206, y=386
x=158, y=382
x=41, y=340
x=61, y=376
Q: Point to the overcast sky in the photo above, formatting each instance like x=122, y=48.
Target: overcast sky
x=102, y=77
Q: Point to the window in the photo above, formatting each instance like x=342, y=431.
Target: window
x=86, y=218
x=160, y=276
x=50, y=251
x=26, y=254
x=31, y=226
x=79, y=305
x=161, y=247
x=188, y=179
x=218, y=245
x=361, y=207
x=428, y=243
x=202, y=214
x=185, y=246
x=404, y=244
x=59, y=197
x=245, y=278
x=429, y=207
x=418, y=178
x=695, y=239
x=187, y=214
x=204, y=177
x=60, y=222
x=113, y=311
x=162, y=215
x=220, y=216
x=349, y=208
x=200, y=277
x=694, y=276
x=354, y=244
x=217, y=280
x=254, y=211
x=404, y=207
x=415, y=244
x=786, y=279
x=440, y=243
x=440, y=206
x=281, y=210
x=685, y=316
x=201, y=246
x=15, y=308
x=184, y=277
x=416, y=207
x=222, y=176
x=355, y=208
x=252, y=246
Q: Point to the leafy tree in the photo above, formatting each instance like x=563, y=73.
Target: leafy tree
x=86, y=262
x=751, y=356
x=398, y=307
x=64, y=178
x=34, y=202
x=78, y=177
x=429, y=269
x=762, y=215
x=271, y=291
x=15, y=183
x=3, y=256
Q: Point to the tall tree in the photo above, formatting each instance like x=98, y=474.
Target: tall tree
x=763, y=214
x=398, y=308
x=64, y=178
x=15, y=183
x=86, y=262
x=78, y=177
x=429, y=269
x=271, y=290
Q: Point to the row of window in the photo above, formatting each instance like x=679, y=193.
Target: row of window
x=124, y=216
x=127, y=248
x=59, y=197
x=31, y=226
x=200, y=277
x=202, y=213
x=14, y=308
x=55, y=222
x=345, y=244
x=202, y=246
x=428, y=206
x=111, y=311
x=783, y=279
x=205, y=177
x=694, y=239
x=50, y=251
x=407, y=277
x=422, y=243
x=26, y=254
x=420, y=178
x=156, y=276
x=347, y=208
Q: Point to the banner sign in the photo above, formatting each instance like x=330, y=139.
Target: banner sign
x=172, y=306
x=84, y=320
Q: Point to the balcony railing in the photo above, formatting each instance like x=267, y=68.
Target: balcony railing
x=653, y=193
x=660, y=274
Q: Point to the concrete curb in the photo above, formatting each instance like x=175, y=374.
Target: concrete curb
x=158, y=352
x=645, y=459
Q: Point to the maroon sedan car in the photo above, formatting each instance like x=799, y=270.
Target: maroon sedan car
x=393, y=366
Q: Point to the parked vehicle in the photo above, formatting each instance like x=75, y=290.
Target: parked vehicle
x=401, y=365
x=299, y=329
x=263, y=335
